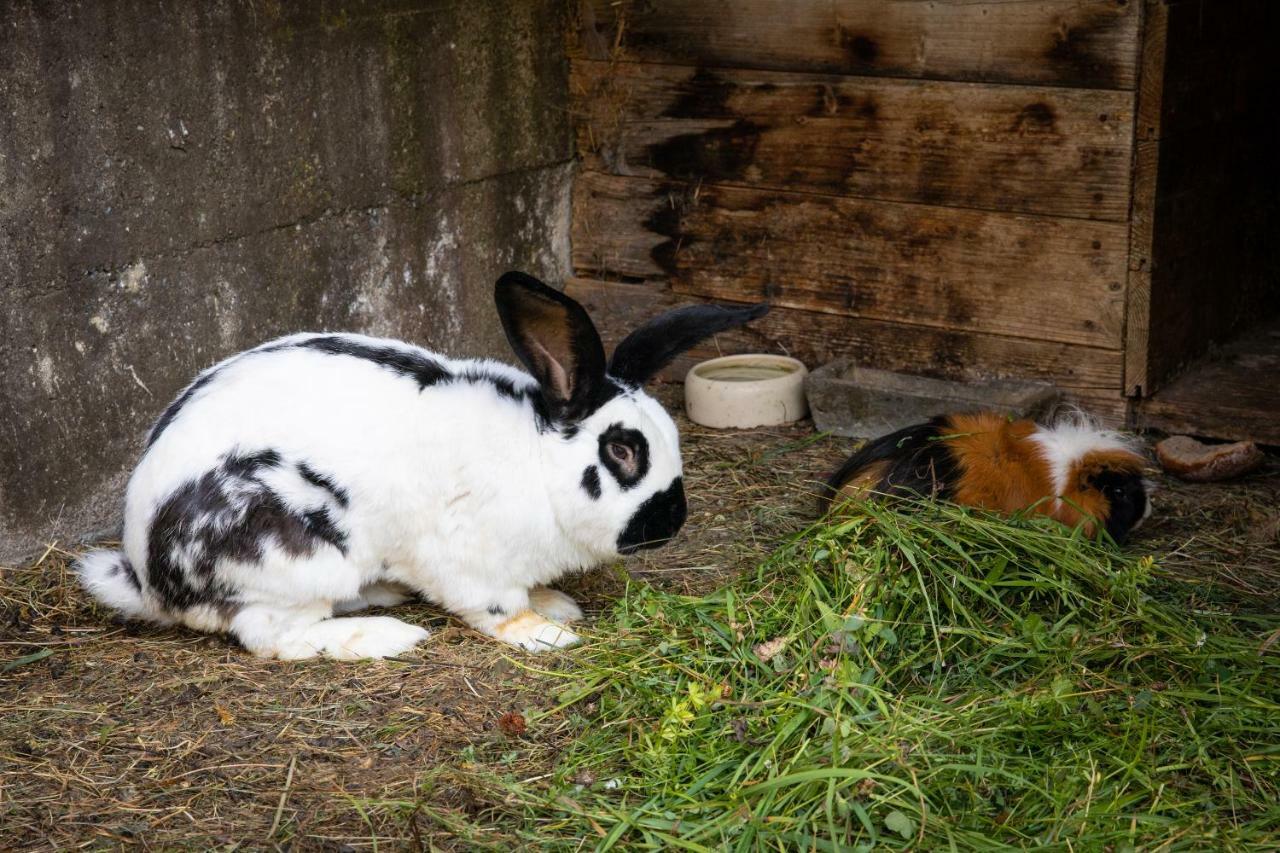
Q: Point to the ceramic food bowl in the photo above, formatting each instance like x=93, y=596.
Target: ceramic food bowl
x=741, y=391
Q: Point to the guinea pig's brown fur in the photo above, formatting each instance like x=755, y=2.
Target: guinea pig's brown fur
x=1070, y=470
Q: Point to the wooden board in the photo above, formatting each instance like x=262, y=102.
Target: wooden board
x=1090, y=375
x=1231, y=395
x=1062, y=152
x=1215, y=257
x=1086, y=43
x=1146, y=161
x=1046, y=279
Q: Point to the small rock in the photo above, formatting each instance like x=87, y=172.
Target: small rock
x=769, y=650
x=1188, y=459
x=512, y=724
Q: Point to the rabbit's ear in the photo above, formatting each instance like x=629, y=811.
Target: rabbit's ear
x=653, y=346
x=557, y=341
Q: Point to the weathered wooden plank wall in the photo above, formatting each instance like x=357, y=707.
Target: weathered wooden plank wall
x=1055, y=151
x=951, y=268
x=1146, y=156
x=817, y=338
x=1085, y=43
x=938, y=187
x=1208, y=253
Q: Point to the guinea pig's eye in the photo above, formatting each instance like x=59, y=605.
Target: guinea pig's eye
x=622, y=454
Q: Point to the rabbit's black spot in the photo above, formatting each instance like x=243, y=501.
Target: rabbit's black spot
x=129, y=574
x=228, y=514
x=247, y=465
x=122, y=566
x=656, y=521
x=323, y=481
x=495, y=610
x=627, y=473
x=503, y=385
x=176, y=406
x=406, y=362
x=179, y=569
x=506, y=388
x=321, y=526
x=591, y=482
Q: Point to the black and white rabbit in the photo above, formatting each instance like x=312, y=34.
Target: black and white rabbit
x=319, y=474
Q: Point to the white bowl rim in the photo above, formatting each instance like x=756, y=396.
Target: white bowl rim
x=798, y=370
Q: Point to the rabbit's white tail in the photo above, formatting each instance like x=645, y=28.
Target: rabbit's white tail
x=110, y=578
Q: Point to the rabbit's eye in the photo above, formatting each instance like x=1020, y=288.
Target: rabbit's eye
x=622, y=454
x=625, y=453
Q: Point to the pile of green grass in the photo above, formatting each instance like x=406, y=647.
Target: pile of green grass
x=929, y=679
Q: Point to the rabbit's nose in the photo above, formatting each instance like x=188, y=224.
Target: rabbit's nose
x=656, y=521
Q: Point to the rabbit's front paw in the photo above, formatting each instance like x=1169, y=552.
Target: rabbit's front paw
x=534, y=632
x=554, y=605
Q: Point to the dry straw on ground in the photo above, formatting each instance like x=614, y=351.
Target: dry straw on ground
x=124, y=734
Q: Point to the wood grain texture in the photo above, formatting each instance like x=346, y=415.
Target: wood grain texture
x=1085, y=43
x=1232, y=395
x=1215, y=256
x=1146, y=161
x=1062, y=152
x=1047, y=279
x=1090, y=375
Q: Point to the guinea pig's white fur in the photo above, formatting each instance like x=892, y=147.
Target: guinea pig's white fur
x=323, y=473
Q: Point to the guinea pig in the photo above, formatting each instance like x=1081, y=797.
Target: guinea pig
x=1070, y=469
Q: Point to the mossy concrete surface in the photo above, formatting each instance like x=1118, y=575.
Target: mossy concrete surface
x=179, y=181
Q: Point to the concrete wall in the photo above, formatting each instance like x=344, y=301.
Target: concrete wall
x=181, y=180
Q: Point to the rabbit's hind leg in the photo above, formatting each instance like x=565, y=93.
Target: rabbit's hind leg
x=381, y=594
x=294, y=632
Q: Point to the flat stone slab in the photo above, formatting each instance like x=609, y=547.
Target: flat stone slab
x=862, y=402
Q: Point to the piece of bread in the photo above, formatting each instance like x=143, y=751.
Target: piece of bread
x=1189, y=459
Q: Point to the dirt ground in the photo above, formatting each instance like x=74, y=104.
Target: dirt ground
x=114, y=734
